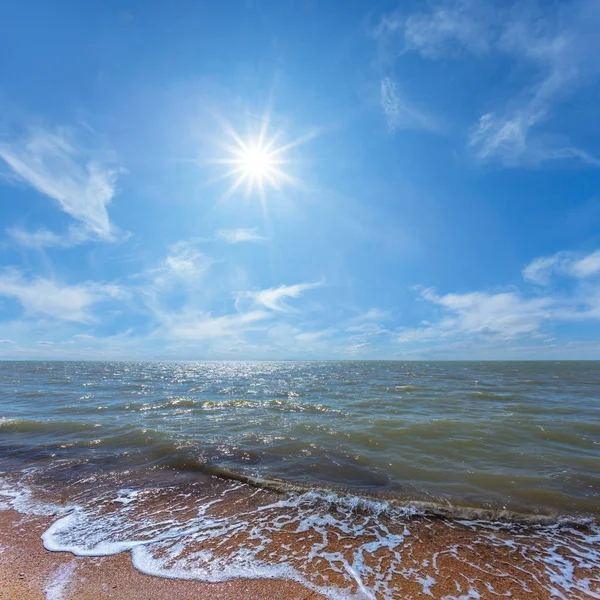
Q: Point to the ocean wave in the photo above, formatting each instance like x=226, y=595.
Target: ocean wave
x=338, y=544
x=504, y=396
x=33, y=426
x=287, y=402
x=221, y=535
x=19, y=497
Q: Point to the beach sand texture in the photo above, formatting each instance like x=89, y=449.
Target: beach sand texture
x=478, y=572
x=29, y=572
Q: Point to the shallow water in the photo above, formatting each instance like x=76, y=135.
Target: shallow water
x=201, y=527
x=524, y=436
x=360, y=480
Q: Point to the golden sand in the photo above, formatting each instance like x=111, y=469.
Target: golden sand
x=28, y=571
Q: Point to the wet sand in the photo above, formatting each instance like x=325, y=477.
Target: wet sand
x=29, y=572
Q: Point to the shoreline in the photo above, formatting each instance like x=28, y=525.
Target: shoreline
x=30, y=572
x=116, y=545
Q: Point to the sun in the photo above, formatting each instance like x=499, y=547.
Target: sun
x=258, y=162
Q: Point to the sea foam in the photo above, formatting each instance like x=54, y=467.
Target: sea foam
x=340, y=546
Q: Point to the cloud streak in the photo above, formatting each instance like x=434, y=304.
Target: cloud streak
x=83, y=185
x=184, y=262
x=274, y=298
x=580, y=266
x=399, y=113
x=43, y=296
x=560, y=47
x=205, y=326
x=43, y=238
x=236, y=236
x=512, y=314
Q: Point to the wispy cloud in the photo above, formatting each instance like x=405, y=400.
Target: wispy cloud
x=358, y=347
x=444, y=29
x=274, y=298
x=297, y=340
x=560, y=46
x=513, y=314
x=185, y=262
x=81, y=182
x=43, y=238
x=374, y=314
x=174, y=287
x=180, y=292
x=42, y=296
x=570, y=264
x=236, y=236
x=205, y=326
x=506, y=314
x=365, y=329
x=399, y=112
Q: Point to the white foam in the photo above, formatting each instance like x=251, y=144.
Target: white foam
x=212, y=545
x=17, y=496
x=126, y=496
x=59, y=581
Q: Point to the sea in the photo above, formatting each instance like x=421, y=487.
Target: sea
x=358, y=479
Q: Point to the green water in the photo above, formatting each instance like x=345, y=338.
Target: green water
x=521, y=435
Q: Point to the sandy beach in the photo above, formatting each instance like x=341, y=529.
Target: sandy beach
x=28, y=571
x=131, y=484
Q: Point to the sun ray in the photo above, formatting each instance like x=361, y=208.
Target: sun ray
x=258, y=162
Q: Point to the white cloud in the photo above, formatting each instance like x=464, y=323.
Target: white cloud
x=375, y=314
x=292, y=339
x=43, y=238
x=560, y=48
x=501, y=136
x=503, y=316
x=179, y=297
x=6, y=342
x=41, y=296
x=184, y=262
x=204, y=326
x=560, y=45
x=366, y=327
x=273, y=298
x=587, y=266
x=506, y=314
x=419, y=334
x=540, y=269
x=569, y=264
x=447, y=29
x=83, y=184
x=173, y=290
x=400, y=114
x=310, y=337
x=358, y=347
x=45, y=343
x=235, y=236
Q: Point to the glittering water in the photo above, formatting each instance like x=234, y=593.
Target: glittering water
x=360, y=480
x=518, y=435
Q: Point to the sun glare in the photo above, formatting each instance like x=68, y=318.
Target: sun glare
x=258, y=162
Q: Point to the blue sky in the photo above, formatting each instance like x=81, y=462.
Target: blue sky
x=299, y=179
